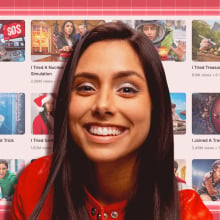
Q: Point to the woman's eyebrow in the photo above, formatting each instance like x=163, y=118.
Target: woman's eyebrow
x=117, y=75
x=85, y=75
x=128, y=73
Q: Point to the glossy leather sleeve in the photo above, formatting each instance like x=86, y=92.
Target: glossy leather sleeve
x=192, y=207
x=29, y=188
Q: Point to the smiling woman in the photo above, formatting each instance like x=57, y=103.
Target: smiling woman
x=113, y=140
x=110, y=103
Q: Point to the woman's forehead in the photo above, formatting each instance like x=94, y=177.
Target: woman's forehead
x=109, y=56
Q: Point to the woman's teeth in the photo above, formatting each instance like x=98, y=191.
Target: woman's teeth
x=104, y=131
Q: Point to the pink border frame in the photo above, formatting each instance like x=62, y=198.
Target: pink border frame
x=113, y=7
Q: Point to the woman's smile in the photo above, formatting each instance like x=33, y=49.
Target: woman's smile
x=102, y=136
x=105, y=130
x=110, y=106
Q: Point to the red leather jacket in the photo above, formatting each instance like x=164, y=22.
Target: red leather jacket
x=33, y=178
x=39, y=126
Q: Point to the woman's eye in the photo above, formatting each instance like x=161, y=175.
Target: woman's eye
x=127, y=90
x=85, y=88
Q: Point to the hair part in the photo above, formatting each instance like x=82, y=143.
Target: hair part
x=43, y=115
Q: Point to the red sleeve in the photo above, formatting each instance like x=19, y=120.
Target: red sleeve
x=192, y=207
x=29, y=188
x=37, y=125
x=17, y=209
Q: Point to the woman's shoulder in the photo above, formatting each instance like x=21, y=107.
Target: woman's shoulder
x=40, y=166
x=191, y=205
x=30, y=186
x=37, y=118
x=43, y=161
x=37, y=171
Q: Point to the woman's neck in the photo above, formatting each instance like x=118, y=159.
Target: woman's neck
x=67, y=36
x=113, y=182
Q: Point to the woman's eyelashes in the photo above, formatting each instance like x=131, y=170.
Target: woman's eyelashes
x=85, y=88
x=125, y=89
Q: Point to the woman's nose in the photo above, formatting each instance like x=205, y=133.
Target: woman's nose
x=104, y=104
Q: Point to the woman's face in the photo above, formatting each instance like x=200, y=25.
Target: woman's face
x=110, y=105
x=49, y=105
x=150, y=30
x=3, y=170
x=68, y=28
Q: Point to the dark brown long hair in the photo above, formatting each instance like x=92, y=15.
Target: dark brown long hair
x=43, y=115
x=155, y=196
